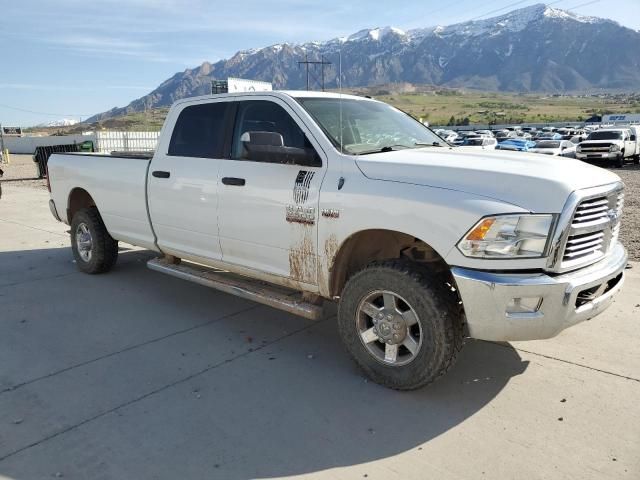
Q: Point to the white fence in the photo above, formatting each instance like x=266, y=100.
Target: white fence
x=27, y=145
x=109, y=141
x=103, y=141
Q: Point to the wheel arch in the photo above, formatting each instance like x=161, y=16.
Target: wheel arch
x=78, y=199
x=366, y=246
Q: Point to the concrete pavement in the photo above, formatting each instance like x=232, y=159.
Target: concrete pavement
x=135, y=375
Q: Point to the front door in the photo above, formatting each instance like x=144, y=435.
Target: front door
x=268, y=210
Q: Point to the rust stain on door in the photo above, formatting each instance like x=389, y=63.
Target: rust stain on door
x=302, y=256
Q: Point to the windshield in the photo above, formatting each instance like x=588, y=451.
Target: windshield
x=367, y=126
x=547, y=144
x=613, y=135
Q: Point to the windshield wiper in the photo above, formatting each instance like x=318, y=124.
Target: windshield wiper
x=392, y=148
x=386, y=148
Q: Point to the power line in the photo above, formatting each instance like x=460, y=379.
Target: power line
x=46, y=113
x=508, y=7
x=306, y=62
x=583, y=5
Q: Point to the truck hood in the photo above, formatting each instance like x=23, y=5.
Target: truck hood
x=538, y=183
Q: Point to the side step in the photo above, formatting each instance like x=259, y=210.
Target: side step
x=273, y=296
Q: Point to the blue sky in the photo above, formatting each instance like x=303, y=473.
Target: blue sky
x=74, y=58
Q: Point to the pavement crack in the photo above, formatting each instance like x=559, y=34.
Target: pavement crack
x=576, y=364
x=123, y=350
x=34, y=228
x=31, y=280
x=161, y=389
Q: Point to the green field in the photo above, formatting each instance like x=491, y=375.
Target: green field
x=441, y=107
x=438, y=107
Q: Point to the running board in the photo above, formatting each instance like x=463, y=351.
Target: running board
x=260, y=292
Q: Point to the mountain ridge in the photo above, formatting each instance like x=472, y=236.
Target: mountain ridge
x=532, y=49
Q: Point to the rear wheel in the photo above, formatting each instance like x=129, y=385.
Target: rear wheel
x=636, y=159
x=94, y=250
x=401, y=324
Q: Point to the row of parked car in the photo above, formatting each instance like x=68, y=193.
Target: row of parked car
x=607, y=144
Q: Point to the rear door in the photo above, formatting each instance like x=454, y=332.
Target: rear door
x=268, y=210
x=183, y=181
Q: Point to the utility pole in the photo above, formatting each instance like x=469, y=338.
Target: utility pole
x=1, y=142
x=308, y=62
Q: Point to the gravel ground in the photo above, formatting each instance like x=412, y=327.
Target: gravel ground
x=630, y=233
x=23, y=171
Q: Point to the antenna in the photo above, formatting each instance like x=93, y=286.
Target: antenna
x=340, y=101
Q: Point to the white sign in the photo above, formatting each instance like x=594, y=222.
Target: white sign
x=622, y=118
x=241, y=85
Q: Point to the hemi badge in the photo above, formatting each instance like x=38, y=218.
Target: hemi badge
x=330, y=213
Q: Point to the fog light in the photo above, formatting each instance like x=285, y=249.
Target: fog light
x=524, y=305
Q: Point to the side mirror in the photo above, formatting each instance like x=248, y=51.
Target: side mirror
x=633, y=138
x=269, y=147
x=262, y=139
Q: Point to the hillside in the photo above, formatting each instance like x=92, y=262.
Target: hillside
x=533, y=49
x=434, y=104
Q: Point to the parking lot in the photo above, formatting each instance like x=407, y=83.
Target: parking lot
x=135, y=374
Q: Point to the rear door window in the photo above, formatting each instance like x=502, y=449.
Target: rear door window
x=199, y=131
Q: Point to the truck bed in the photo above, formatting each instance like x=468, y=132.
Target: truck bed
x=117, y=184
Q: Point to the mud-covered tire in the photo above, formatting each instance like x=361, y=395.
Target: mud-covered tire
x=440, y=318
x=103, y=252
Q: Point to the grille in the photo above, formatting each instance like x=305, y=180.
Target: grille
x=593, y=231
x=594, y=148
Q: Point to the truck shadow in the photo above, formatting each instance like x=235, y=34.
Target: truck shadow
x=284, y=399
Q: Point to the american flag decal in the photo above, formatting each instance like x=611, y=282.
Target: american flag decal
x=301, y=187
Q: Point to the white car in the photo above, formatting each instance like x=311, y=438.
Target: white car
x=561, y=148
x=295, y=198
x=479, y=141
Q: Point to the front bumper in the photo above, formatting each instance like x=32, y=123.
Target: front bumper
x=565, y=300
x=598, y=156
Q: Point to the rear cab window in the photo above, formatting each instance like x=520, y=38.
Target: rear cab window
x=200, y=131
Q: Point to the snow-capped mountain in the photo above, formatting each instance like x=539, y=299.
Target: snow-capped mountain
x=64, y=122
x=536, y=48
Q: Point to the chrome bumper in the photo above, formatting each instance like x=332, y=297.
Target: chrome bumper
x=598, y=156
x=565, y=300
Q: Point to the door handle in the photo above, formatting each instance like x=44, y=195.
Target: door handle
x=238, y=182
x=160, y=174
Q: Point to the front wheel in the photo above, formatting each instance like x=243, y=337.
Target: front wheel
x=94, y=250
x=620, y=161
x=402, y=325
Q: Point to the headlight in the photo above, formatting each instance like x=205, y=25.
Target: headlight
x=579, y=149
x=508, y=236
x=614, y=148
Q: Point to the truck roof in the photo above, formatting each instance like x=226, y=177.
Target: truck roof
x=274, y=93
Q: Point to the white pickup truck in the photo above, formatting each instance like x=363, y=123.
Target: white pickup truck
x=616, y=144
x=293, y=198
